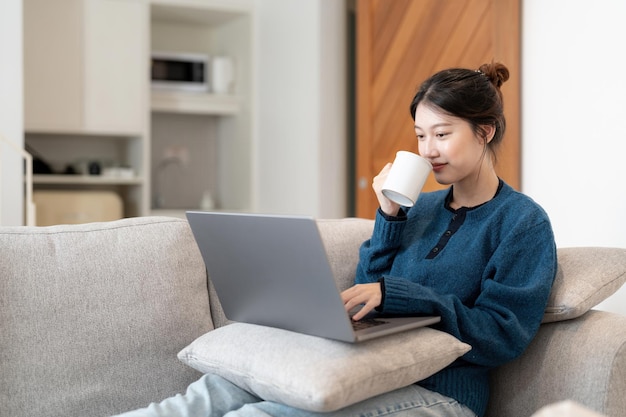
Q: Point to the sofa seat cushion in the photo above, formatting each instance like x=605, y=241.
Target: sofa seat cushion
x=92, y=315
x=319, y=374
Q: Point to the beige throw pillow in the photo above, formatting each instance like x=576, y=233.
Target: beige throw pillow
x=319, y=374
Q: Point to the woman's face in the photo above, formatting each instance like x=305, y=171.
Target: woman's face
x=449, y=143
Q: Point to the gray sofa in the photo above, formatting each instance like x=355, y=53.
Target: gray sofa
x=93, y=316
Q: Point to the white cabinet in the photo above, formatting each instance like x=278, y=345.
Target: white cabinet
x=88, y=99
x=86, y=95
x=85, y=66
x=202, y=144
x=115, y=46
x=53, y=74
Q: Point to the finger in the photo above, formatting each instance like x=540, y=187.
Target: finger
x=354, y=297
x=354, y=302
x=347, y=294
x=363, y=312
x=382, y=175
x=386, y=168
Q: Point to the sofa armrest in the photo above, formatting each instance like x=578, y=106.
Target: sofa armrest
x=582, y=360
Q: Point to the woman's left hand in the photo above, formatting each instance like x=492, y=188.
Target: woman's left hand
x=370, y=295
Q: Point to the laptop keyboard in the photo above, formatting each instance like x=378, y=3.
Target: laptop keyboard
x=366, y=323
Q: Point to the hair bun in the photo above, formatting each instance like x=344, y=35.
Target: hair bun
x=496, y=72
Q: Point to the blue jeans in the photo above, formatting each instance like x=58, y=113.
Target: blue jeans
x=212, y=396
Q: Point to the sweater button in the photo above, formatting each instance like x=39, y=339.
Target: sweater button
x=435, y=250
x=448, y=233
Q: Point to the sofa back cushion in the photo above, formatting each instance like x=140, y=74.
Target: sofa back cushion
x=92, y=316
x=585, y=277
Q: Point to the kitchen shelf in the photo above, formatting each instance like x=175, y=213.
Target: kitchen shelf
x=92, y=133
x=202, y=139
x=194, y=103
x=207, y=13
x=84, y=180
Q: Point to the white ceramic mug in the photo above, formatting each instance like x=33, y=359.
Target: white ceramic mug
x=406, y=178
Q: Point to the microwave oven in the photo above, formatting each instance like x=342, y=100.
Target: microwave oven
x=179, y=71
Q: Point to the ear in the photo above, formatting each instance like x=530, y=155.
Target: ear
x=489, y=131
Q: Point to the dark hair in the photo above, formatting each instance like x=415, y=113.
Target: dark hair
x=472, y=95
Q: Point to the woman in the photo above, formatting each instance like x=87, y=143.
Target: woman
x=480, y=255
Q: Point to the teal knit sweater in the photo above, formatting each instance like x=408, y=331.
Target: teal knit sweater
x=487, y=271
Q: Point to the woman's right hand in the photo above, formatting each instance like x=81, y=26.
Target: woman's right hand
x=387, y=206
x=367, y=295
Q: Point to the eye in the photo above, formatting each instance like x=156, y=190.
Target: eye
x=419, y=136
x=441, y=135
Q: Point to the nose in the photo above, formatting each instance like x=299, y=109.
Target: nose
x=428, y=148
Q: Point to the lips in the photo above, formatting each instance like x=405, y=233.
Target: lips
x=437, y=166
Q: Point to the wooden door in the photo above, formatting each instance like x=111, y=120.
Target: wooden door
x=400, y=43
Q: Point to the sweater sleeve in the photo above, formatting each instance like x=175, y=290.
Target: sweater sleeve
x=507, y=313
x=376, y=255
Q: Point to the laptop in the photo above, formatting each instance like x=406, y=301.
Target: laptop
x=273, y=271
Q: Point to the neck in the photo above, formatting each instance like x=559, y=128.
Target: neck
x=476, y=191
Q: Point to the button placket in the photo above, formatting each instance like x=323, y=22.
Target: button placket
x=458, y=218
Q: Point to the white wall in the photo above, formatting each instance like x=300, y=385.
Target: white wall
x=574, y=120
x=11, y=113
x=301, y=118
